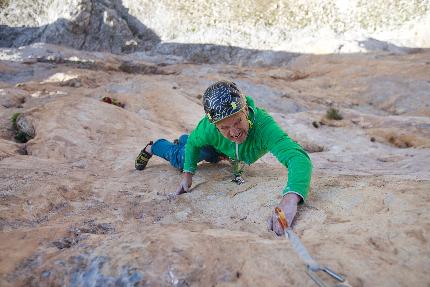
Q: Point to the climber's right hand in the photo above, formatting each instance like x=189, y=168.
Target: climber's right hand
x=186, y=182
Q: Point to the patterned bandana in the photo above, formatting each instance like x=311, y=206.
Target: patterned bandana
x=222, y=100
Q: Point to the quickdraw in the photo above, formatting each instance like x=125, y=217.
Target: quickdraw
x=312, y=267
x=237, y=169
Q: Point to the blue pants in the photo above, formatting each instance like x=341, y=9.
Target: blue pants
x=175, y=153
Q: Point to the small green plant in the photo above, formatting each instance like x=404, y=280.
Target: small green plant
x=13, y=120
x=333, y=114
x=113, y=101
x=20, y=136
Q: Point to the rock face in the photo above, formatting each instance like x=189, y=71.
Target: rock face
x=84, y=24
x=111, y=75
x=25, y=129
x=75, y=212
x=182, y=28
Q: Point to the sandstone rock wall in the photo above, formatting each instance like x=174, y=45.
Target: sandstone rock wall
x=75, y=212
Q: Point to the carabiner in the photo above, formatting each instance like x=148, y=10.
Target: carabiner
x=238, y=180
x=314, y=276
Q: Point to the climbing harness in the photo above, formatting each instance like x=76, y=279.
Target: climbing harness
x=312, y=267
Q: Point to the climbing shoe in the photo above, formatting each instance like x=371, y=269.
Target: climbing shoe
x=143, y=158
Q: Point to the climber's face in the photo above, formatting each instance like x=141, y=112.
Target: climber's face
x=235, y=127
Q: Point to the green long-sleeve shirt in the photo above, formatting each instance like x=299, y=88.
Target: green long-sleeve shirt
x=264, y=135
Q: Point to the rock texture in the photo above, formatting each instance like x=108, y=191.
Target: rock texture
x=186, y=28
x=85, y=24
x=75, y=212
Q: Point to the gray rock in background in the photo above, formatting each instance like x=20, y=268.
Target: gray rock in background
x=236, y=32
x=85, y=24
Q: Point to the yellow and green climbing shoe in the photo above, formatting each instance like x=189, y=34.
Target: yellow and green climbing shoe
x=143, y=158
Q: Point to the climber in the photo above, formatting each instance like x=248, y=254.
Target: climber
x=233, y=128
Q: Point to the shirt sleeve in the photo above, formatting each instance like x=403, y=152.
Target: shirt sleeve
x=291, y=155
